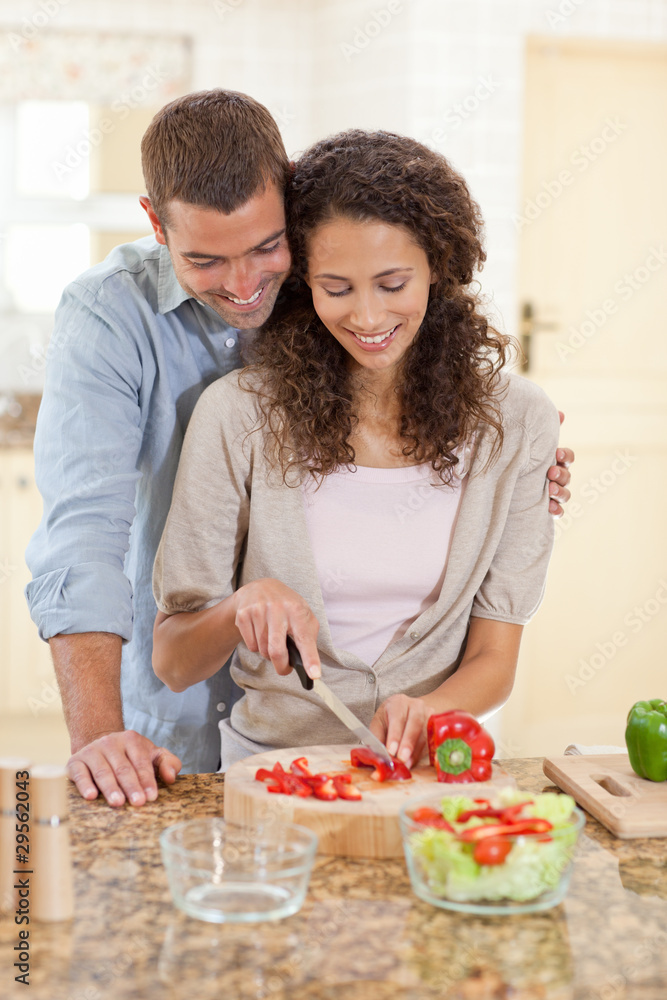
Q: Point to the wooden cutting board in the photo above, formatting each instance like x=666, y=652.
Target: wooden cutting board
x=368, y=828
x=608, y=788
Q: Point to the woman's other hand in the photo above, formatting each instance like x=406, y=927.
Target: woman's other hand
x=400, y=722
x=559, y=476
x=266, y=612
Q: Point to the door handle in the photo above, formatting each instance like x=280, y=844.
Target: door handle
x=528, y=327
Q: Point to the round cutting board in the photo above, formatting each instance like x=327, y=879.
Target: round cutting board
x=367, y=828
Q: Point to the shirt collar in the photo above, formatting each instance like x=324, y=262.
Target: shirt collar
x=170, y=294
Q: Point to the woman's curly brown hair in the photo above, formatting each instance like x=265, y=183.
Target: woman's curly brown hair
x=449, y=374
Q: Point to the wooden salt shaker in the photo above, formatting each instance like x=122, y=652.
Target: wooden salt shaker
x=10, y=767
x=52, y=861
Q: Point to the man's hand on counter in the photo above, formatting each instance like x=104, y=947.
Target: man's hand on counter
x=106, y=757
x=123, y=766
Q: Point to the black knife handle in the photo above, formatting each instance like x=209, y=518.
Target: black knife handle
x=297, y=663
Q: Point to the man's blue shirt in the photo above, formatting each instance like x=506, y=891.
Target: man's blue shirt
x=130, y=354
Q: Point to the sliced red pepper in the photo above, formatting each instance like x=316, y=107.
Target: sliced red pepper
x=300, y=766
x=459, y=747
x=475, y=833
x=511, y=813
x=297, y=786
x=397, y=771
x=463, y=817
x=262, y=774
x=325, y=790
x=299, y=780
x=507, y=815
x=426, y=816
x=345, y=788
x=280, y=780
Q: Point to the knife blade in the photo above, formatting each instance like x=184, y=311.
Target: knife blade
x=333, y=702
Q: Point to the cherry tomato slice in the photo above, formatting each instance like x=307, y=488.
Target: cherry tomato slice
x=492, y=851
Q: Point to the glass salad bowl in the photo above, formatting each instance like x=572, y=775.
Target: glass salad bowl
x=509, y=854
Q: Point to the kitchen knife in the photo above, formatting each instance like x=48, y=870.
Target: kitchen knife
x=362, y=732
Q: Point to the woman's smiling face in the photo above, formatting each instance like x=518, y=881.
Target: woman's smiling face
x=370, y=284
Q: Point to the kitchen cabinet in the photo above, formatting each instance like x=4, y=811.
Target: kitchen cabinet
x=360, y=934
x=27, y=678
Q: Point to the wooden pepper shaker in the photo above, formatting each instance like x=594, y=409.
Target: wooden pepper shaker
x=10, y=767
x=52, y=861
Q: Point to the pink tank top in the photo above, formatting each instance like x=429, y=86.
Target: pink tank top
x=380, y=538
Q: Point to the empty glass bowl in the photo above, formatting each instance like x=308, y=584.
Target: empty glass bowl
x=229, y=873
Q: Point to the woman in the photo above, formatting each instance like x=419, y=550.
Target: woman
x=374, y=485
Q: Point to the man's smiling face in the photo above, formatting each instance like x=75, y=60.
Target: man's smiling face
x=234, y=263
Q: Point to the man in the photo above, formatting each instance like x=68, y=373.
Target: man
x=138, y=338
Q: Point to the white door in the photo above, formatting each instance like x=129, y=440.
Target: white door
x=593, y=289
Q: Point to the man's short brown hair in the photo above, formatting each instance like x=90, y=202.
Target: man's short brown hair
x=214, y=148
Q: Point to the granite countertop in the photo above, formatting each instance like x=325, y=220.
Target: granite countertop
x=361, y=932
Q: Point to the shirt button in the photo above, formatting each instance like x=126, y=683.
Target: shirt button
x=221, y=706
x=230, y=342
x=371, y=678
x=414, y=635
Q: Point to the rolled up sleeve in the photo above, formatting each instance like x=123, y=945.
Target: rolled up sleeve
x=87, y=445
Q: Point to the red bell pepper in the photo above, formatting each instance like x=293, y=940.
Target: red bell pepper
x=480, y=814
x=459, y=748
x=363, y=757
x=283, y=781
x=345, y=788
x=299, y=780
x=507, y=815
x=475, y=833
x=325, y=790
x=300, y=766
x=426, y=816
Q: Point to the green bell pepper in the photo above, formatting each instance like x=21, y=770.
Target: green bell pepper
x=646, y=739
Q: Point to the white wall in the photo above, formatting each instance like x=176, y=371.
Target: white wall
x=324, y=65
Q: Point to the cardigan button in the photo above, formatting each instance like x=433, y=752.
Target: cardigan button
x=414, y=635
